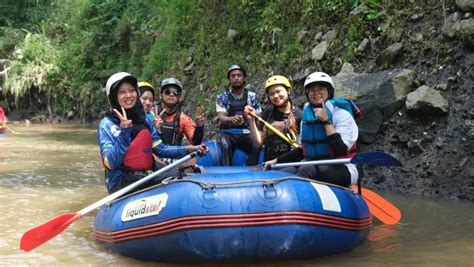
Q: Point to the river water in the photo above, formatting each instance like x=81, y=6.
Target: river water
x=46, y=171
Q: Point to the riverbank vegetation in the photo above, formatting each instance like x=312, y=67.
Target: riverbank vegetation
x=57, y=55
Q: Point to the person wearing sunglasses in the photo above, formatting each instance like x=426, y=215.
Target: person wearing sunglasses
x=233, y=128
x=128, y=139
x=173, y=123
x=282, y=115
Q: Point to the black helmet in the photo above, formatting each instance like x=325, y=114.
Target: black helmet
x=171, y=81
x=236, y=67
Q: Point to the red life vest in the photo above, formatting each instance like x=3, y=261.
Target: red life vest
x=139, y=155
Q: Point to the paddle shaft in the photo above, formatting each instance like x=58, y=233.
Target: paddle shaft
x=136, y=184
x=277, y=132
x=41, y=234
x=10, y=129
x=315, y=162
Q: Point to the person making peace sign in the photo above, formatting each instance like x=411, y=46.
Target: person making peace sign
x=128, y=139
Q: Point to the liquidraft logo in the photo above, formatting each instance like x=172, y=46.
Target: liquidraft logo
x=144, y=207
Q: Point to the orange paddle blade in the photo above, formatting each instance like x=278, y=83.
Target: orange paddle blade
x=381, y=208
x=41, y=234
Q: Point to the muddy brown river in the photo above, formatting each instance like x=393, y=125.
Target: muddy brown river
x=48, y=170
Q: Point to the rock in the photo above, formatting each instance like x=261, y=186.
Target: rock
x=465, y=28
x=299, y=77
x=465, y=5
x=426, y=101
x=39, y=119
x=318, y=37
x=189, y=60
x=363, y=45
x=469, y=128
x=414, y=147
x=330, y=36
x=370, y=123
x=232, y=35
x=319, y=51
x=452, y=79
x=189, y=69
x=403, y=138
x=459, y=28
x=302, y=35
x=70, y=115
x=395, y=34
x=379, y=95
x=441, y=86
x=389, y=54
x=418, y=37
x=416, y=16
x=361, y=9
x=347, y=68
x=451, y=20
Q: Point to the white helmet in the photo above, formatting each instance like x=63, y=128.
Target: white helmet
x=118, y=77
x=320, y=77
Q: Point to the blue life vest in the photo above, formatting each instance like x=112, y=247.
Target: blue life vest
x=314, y=139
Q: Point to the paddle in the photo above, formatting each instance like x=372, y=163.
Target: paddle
x=377, y=158
x=10, y=129
x=276, y=131
x=383, y=210
x=42, y=233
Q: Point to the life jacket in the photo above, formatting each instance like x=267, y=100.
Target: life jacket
x=170, y=134
x=139, y=155
x=2, y=115
x=274, y=145
x=314, y=139
x=236, y=106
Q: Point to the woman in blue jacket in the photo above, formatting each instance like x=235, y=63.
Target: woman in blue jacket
x=128, y=139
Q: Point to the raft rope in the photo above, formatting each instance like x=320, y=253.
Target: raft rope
x=214, y=185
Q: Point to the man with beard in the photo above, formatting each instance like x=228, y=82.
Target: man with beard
x=233, y=131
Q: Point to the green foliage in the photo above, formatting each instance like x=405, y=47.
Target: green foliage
x=32, y=63
x=80, y=43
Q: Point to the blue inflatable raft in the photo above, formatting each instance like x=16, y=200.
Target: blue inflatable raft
x=234, y=214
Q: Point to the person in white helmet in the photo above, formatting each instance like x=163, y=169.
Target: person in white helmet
x=128, y=140
x=328, y=130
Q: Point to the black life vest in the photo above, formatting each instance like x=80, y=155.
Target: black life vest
x=170, y=134
x=274, y=145
x=236, y=106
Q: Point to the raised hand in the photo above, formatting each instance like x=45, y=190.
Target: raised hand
x=199, y=117
x=124, y=121
x=249, y=112
x=158, y=121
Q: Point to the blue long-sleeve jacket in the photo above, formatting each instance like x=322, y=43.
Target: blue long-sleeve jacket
x=114, y=142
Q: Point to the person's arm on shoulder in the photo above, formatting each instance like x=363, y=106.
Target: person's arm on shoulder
x=114, y=142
